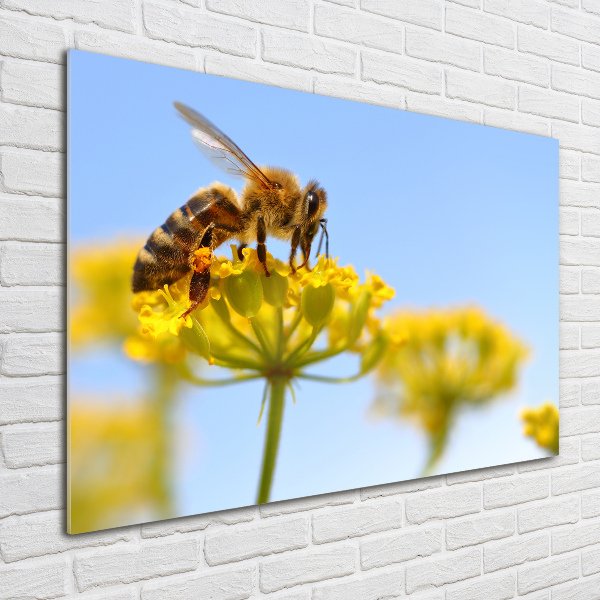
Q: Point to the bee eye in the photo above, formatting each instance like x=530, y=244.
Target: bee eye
x=313, y=203
x=277, y=186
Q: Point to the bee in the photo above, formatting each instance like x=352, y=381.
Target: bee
x=271, y=203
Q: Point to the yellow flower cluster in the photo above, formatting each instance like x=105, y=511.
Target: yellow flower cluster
x=114, y=450
x=541, y=424
x=450, y=359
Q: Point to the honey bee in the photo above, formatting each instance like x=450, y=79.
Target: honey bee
x=271, y=203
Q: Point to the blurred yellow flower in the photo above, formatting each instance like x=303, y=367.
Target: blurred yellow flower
x=541, y=424
x=449, y=359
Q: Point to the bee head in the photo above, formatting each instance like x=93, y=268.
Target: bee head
x=313, y=205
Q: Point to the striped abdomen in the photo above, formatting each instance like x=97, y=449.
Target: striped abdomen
x=166, y=256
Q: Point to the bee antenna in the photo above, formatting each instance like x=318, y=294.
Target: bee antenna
x=323, y=223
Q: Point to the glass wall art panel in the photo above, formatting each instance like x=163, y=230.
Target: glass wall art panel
x=275, y=294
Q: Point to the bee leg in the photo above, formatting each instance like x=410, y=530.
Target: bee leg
x=261, y=249
x=306, y=252
x=323, y=223
x=200, y=281
x=239, y=251
x=295, y=242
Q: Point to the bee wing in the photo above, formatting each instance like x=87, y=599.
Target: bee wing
x=220, y=149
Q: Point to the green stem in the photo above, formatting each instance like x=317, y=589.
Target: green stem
x=185, y=374
x=261, y=337
x=331, y=379
x=276, y=402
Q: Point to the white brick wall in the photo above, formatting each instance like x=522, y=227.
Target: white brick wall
x=531, y=529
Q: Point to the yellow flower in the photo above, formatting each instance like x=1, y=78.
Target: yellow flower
x=438, y=362
x=169, y=319
x=541, y=424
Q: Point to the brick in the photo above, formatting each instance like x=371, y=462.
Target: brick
x=379, y=551
x=590, y=57
x=580, y=252
x=443, y=107
x=580, y=308
x=33, y=445
x=568, y=222
x=46, y=41
x=480, y=89
x=573, y=538
x=515, y=552
x=579, y=364
x=371, y=587
x=590, y=112
x=471, y=3
x=575, y=480
x=31, y=310
x=590, y=392
x=575, y=81
x=443, y=504
x=590, y=281
x=490, y=588
x=35, y=219
x=35, y=128
x=509, y=119
x=440, y=571
x=568, y=167
x=590, y=336
x=358, y=28
x=590, y=448
x=31, y=400
x=547, y=45
x=359, y=91
x=480, y=474
x=32, y=264
x=477, y=530
x=576, y=25
x=192, y=28
x=590, y=505
x=579, y=590
x=528, y=12
x=437, y=47
x=479, y=26
x=33, y=84
x=128, y=564
x=34, y=173
x=248, y=70
x=261, y=539
x=578, y=421
x=592, y=6
x=214, y=584
x=516, y=490
x=548, y=514
x=584, y=195
x=112, y=14
x=512, y=65
x=40, y=354
x=356, y=520
x=301, y=504
x=568, y=280
x=590, y=223
x=40, y=534
x=570, y=393
x=590, y=562
x=124, y=45
x=307, y=567
x=427, y=13
x=577, y=137
x=569, y=455
x=307, y=53
x=32, y=490
x=546, y=574
x=291, y=14
x=404, y=73
x=198, y=522
x=548, y=104
x=590, y=168
x=569, y=336
x=38, y=579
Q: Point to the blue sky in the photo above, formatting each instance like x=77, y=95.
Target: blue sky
x=446, y=212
